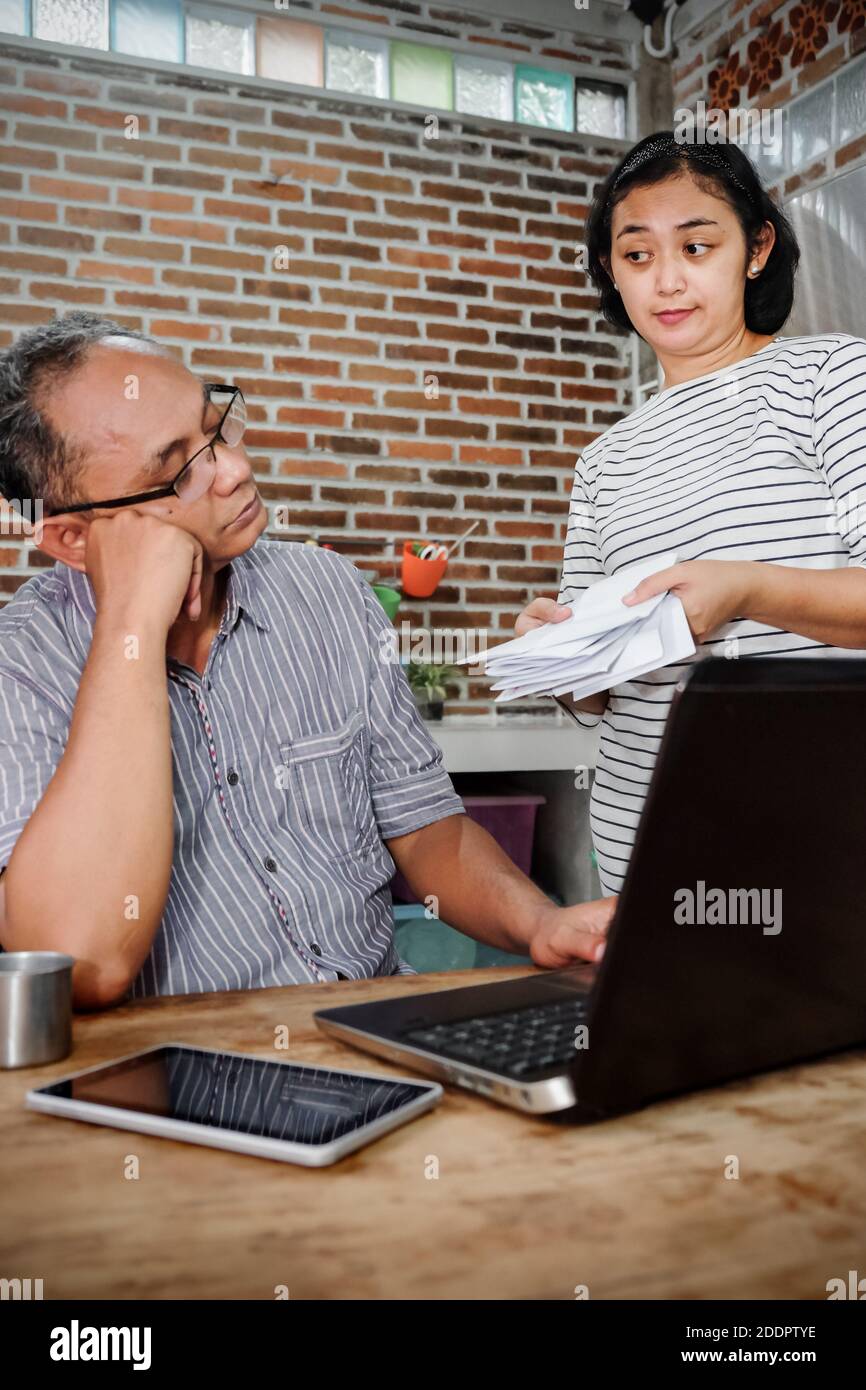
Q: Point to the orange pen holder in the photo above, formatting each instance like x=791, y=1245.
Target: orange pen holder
x=421, y=577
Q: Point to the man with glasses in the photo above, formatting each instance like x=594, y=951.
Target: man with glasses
x=207, y=770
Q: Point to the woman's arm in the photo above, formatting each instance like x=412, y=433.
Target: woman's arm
x=826, y=605
x=823, y=604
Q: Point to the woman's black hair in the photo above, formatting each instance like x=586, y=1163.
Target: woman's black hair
x=729, y=174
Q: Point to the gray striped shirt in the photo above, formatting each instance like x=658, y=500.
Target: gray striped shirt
x=296, y=754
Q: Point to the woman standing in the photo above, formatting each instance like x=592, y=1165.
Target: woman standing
x=749, y=462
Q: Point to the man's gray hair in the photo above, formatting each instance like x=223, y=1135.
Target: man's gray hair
x=35, y=462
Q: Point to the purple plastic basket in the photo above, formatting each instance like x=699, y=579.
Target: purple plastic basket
x=509, y=819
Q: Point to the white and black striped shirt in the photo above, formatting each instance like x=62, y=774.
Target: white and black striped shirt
x=764, y=460
x=296, y=755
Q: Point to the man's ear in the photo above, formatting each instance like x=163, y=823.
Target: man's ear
x=64, y=538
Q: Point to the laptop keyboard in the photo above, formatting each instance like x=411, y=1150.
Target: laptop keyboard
x=518, y=1043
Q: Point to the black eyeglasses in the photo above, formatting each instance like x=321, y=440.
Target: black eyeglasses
x=197, y=474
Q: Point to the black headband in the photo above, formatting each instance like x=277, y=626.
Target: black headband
x=667, y=144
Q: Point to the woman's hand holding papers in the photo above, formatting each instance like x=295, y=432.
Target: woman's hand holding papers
x=547, y=610
x=826, y=605
x=539, y=612
x=712, y=592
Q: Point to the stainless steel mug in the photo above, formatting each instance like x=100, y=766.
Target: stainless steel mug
x=35, y=1007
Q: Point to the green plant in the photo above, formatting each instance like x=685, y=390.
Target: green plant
x=428, y=681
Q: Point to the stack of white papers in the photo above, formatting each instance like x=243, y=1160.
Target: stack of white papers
x=602, y=644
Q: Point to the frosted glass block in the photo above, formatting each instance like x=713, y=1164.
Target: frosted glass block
x=484, y=87
x=601, y=110
x=148, y=29
x=423, y=75
x=219, y=39
x=851, y=102
x=290, y=52
x=356, y=63
x=811, y=123
x=13, y=16
x=767, y=148
x=82, y=22
x=748, y=144
x=544, y=98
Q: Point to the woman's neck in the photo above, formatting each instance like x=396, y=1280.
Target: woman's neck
x=681, y=369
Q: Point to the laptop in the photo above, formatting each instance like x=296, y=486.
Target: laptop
x=738, y=943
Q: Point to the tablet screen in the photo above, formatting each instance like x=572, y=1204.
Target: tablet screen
x=276, y=1100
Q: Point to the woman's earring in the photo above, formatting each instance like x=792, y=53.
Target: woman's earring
x=615, y=285
x=755, y=268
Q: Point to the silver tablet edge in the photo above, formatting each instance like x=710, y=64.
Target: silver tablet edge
x=187, y=1131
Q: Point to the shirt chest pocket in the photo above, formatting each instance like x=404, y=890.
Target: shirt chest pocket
x=327, y=783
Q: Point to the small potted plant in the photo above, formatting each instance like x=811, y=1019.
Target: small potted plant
x=428, y=685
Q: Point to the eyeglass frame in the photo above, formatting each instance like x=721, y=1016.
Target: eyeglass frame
x=170, y=488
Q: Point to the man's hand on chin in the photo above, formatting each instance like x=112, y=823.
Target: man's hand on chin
x=568, y=934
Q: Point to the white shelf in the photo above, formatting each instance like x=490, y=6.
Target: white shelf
x=475, y=744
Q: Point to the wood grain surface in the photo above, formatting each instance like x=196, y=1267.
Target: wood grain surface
x=522, y=1208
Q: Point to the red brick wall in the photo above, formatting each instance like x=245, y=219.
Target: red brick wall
x=408, y=257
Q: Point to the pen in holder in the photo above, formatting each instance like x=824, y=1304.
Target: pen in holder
x=424, y=564
x=421, y=576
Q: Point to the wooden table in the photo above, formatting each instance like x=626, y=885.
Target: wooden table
x=636, y=1207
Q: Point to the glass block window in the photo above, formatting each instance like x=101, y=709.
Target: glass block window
x=851, y=101
x=544, y=98
x=484, y=87
x=356, y=63
x=14, y=16
x=810, y=123
x=220, y=39
x=290, y=51
x=601, y=109
x=148, y=29
x=767, y=150
x=82, y=22
x=422, y=75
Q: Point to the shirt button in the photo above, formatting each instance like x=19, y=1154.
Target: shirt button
x=317, y=950
x=270, y=864
x=233, y=778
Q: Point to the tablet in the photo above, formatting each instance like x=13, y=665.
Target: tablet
x=229, y=1100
